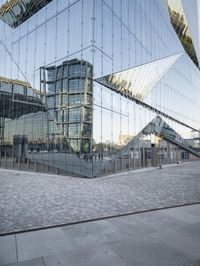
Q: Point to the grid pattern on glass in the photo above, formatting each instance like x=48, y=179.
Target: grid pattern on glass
x=74, y=40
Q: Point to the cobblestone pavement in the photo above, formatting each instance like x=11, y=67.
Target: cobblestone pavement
x=34, y=200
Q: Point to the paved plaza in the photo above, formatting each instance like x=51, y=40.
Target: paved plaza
x=169, y=237
x=34, y=200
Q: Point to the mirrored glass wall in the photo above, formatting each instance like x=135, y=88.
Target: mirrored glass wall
x=80, y=80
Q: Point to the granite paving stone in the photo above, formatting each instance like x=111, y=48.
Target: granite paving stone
x=194, y=209
x=188, y=218
x=93, y=233
x=34, y=200
x=132, y=227
x=42, y=243
x=8, y=252
x=147, y=252
x=190, y=229
x=91, y=255
x=196, y=263
x=34, y=262
x=159, y=220
x=175, y=239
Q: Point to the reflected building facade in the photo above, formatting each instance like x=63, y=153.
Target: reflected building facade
x=17, y=99
x=67, y=94
x=102, y=73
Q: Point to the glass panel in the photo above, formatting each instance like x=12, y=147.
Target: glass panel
x=74, y=130
x=74, y=115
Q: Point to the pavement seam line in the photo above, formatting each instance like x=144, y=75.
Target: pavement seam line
x=98, y=219
x=43, y=261
x=16, y=248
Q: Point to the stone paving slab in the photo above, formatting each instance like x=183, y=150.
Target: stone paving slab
x=154, y=238
x=33, y=200
x=8, y=251
x=42, y=243
x=34, y=262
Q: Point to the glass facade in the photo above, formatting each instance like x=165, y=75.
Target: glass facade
x=99, y=72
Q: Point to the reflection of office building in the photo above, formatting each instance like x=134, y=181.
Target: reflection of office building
x=68, y=90
x=17, y=99
x=133, y=76
x=16, y=87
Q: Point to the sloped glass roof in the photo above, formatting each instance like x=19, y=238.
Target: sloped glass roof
x=137, y=82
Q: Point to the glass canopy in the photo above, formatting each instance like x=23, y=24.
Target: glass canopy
x=137, y=82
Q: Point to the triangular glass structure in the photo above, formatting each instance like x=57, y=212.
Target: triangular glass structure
x=183, y=29
x=137, y=82
x=14, y=13
x=191, y=10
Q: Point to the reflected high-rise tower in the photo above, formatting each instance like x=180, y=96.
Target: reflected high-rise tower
x=67, y=93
